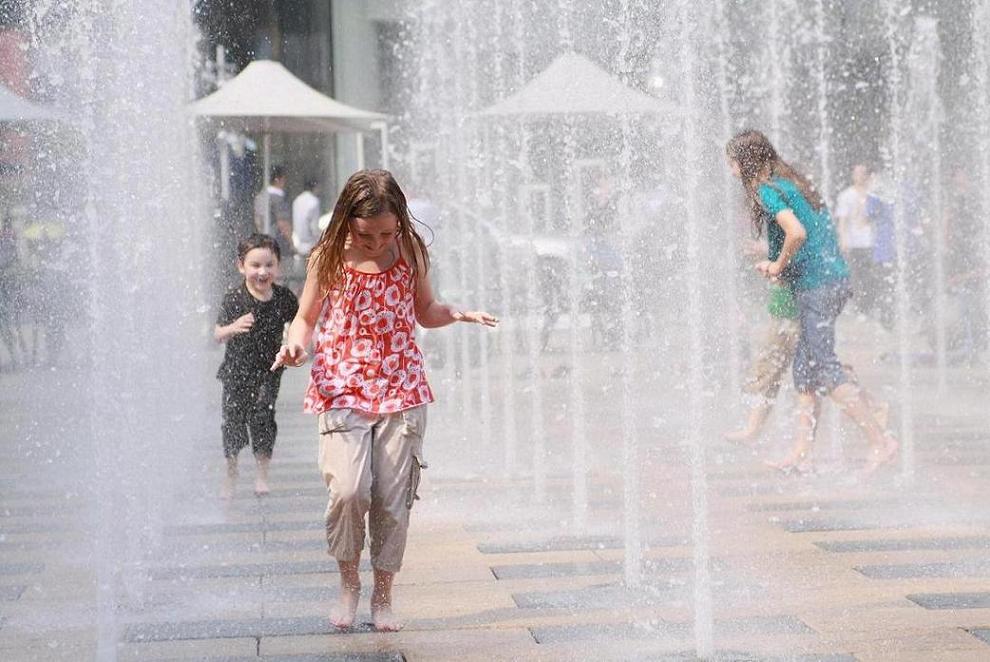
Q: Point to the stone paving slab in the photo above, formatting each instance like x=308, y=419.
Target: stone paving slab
x=828, y=524
x=783, y=624
x=599, y=596
x=570, y=543
x=11, y=593
x=21, y=568
x=905, y=544
x=951, y=600
x=966, y=568
x=327, y=657
x=250, y=570
x=235, y=629
x=244, y=527
x=983, y=634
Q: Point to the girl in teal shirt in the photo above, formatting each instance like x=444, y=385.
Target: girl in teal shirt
x=803, y=252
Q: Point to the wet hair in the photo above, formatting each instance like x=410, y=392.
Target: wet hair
x=258, y=240
x=310, y=183
x=759, y=164
x=366, y=194
x=277, y=172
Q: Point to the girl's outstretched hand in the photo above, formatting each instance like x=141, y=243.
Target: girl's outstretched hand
x=292, y=355
x=478, y=317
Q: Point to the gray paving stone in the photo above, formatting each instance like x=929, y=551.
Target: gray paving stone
x=905, y=544
x=325, y=657
x=212, y=549
x=234, y=629
x=21, y=568
x=951, y=600
x=284, y=492
x=535, y=570
x=756, y=489
x=11, y=593
x=243, y=527
x=600, y=596
x=249, y=570
x=983, y=634
x=815, y=505
x=821, y=525
x=965, y=568
x=570, y=543
x=769, y=625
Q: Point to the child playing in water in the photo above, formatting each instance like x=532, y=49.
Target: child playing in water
x=773, y=359
x=366, y=288
x=804, y=253
x=251, y=322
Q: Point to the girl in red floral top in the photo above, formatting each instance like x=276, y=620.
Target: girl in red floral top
x=366, y=290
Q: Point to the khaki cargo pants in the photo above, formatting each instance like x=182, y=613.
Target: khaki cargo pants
x=371, y=465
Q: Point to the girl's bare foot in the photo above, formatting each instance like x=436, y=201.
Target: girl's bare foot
x=797, y=461
x=260, y=487
x=383, y=617
x=740, y=436
x=342, y=616
x=881, y=456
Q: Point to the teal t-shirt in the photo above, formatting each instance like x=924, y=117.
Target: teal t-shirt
x=818, y=261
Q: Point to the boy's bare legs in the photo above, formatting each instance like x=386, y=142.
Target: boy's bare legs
x=883, y=446
x=758, y=415
x=261, y=477
x=381, y=603
x=799, y=458
x=230, y=480
x=342, y=616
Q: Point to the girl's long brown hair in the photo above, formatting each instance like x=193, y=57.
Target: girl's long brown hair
x=758, y=164
x=367, y=193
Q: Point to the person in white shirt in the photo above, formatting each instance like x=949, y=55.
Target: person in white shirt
x=305, y=216
x=857, y=237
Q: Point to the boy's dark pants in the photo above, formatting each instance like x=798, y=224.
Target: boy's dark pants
x=249, y=413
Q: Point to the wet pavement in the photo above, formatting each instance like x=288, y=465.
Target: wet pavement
x=820, y=567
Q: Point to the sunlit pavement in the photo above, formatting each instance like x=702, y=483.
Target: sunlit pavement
x=820, y=567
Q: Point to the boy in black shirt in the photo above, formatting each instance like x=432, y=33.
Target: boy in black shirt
x=251, y=320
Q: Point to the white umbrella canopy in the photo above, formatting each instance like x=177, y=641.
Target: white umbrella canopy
x=267, y=97
x=14, y=108
x=574, y=85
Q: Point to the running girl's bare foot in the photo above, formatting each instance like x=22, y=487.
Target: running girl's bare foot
x=798, y=460
x=881, y=412
x=383, y=617
x=260, y=487
x=881, y=456
x=741, y=436
x=342, y=616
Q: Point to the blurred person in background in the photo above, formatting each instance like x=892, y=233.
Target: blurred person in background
x=305, y=230
x=279, y=213
x=857, y=238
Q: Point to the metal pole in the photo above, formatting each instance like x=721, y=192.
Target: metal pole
x=266, y=141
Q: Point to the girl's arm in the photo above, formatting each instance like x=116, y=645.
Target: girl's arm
x=293, y=352
x=432, y=314
x=794, y=236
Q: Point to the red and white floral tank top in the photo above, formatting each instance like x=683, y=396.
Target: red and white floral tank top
x=366, y=356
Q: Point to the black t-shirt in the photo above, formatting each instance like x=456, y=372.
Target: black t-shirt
x=253, y=352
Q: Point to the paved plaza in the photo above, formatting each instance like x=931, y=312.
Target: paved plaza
x=826, y=567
